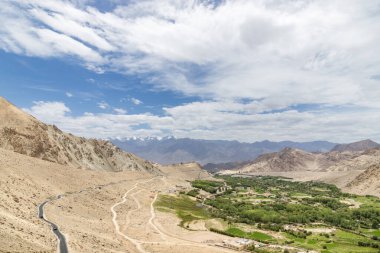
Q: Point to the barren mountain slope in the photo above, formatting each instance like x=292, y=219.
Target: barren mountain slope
x=296, y=160
x=355, y=160
x=287, y=159
x=356, y=146
x=24, y=134
x=367, y=182
x=100, y=211
x=25, y=182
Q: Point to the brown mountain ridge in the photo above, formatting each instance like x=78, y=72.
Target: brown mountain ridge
x=356, y=146
x=24, y=134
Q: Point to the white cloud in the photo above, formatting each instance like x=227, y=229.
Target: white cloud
x=280, y=54
x=211, y=120
x=120, y=110
x=103, y=105
x=68, y=94
x=47, y=111
x=136, y=101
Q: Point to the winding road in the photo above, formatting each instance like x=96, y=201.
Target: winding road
x=61, y=238
x=62, y=245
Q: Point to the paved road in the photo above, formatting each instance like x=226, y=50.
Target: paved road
x=61, y=238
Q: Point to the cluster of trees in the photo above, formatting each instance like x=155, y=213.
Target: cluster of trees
x=329, y=210
x=278, y=184
x=299, y=234
x=193, y=192
x=270, y=226
x=369, y=244
x=331, y=203
x=285, y=213
x=207, y=185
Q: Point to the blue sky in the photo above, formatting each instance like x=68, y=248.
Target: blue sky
x=38, y=79
x=239, y=70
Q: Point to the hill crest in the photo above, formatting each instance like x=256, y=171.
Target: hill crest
x=24, y=134
x=356, y=146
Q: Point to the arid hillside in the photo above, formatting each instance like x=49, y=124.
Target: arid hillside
x=356, y=146
x=286, y=160
x=25, y=182
x=24, y=134
x=99, y=211
x=368, y=182
x=291, y=160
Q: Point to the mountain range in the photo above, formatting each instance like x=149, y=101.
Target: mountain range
x=290, y=160
x=353, y=167
x=207, y=152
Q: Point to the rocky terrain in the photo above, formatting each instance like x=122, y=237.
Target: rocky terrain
x=107, y=206
x=290, y=159
x=368, y=182
x=356, y=146
x=24, y=134
x=84, y=213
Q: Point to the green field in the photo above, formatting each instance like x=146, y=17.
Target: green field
x=341, y=241
x=258, y=236
x=183, y=206
x=257, y=208
x=299, y=204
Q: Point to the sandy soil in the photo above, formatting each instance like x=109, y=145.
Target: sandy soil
x=99, y=211
x=25, y=182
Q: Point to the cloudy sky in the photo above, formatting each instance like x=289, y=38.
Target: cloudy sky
x=245, y=70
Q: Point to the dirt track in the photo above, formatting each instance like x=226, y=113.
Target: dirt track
x=144, y=231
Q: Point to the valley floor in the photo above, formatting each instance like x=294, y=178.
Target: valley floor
x=98, y=211
x=338, y=178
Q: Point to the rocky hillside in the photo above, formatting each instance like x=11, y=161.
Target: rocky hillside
x=297, y=160
x=367, y=182
x=356, y=146
x=288, y=159
x=26, y=135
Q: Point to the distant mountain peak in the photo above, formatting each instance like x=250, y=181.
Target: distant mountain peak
x=356, y=146
x=213, y=152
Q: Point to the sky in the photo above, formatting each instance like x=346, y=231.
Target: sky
x=244, y=70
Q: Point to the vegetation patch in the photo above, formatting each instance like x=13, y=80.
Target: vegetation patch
x=207, y=185
x=186, y=209
x=291, y=209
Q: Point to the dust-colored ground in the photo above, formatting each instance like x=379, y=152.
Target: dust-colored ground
x=99, y=212
x=339, y=178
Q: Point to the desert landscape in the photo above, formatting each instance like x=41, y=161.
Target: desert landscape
x=97, y=210
x=63, y=201
x=189, y=126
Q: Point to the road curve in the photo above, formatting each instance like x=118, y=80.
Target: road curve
x=62, y=246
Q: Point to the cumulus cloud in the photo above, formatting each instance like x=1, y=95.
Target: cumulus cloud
x=49, y=110
x=209, y=120
x=248, y=62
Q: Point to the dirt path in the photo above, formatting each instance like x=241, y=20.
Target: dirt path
x=116, y=224
x=167, y=238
